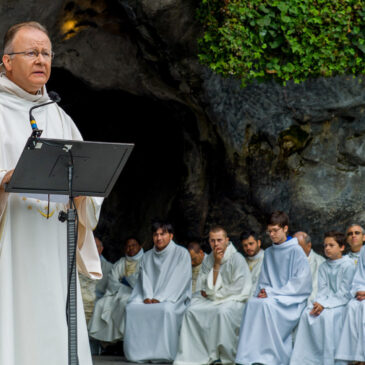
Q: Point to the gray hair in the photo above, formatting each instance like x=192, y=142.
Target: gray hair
x=307, y=238
x=13, y=30
x=353, y=225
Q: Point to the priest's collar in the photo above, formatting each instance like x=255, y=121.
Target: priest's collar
x=289, y=242
x=136, y=257
x=167, y=249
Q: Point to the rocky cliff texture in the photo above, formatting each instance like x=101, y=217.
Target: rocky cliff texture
x=207, y=151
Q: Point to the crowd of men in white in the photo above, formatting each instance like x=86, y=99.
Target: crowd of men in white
x=284, y=305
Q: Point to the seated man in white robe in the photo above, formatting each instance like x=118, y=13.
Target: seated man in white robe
x=159, y=299
x=270, y=316
x=351, y=346
x=89, y=286
x=107, y=322
x=355, y=239
x=254, y=255
x=211, y=323
x=314, y=260
x=321, y=323
x=197, y=257
x=106, y=266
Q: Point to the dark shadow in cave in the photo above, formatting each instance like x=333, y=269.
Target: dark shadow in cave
x=150, y=182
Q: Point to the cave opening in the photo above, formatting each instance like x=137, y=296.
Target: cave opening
x=150, y=183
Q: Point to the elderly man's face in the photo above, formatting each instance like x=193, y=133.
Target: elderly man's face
x=132, y=247
x=161, y=239
x=307, y=247
x=29, y=73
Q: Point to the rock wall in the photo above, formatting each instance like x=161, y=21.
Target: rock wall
x=207, y=151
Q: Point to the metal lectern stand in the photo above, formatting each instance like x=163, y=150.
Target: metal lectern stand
x=73, y=168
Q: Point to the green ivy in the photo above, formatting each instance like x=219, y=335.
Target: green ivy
x=282, y=40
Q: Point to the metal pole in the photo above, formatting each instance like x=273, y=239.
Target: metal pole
x=72, y=288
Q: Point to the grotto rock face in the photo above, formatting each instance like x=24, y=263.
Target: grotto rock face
x=207, y=151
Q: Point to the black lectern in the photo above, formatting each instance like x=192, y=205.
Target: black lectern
x=73, y=168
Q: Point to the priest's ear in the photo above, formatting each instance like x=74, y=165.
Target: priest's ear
x=7, y=62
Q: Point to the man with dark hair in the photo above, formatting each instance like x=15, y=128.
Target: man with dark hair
x=159, y=299
x=210, y=324
x=108, y=320
x=314, y=260
x=197, y=257
x=254, y=255
x=33, y=250
x=355, y=239
x=273, y=312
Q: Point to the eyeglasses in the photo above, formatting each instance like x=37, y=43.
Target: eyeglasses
x=274, y=230
x=353, y=233
x=34, y=53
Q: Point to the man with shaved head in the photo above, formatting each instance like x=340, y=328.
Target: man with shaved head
x=355, y=239
x=211, y=323
x=314, y=260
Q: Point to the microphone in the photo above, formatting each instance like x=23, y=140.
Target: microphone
x=54, y=98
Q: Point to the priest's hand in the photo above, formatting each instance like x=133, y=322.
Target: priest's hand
x=218, y=256
x=360, y=295
x=154, y=301
x=317, y=309
x=262, y=294
x=203, y=293
x=6, y=179
x=147, y=301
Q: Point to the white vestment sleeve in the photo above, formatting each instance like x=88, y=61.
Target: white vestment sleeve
x=3, y=196
x=87, y=254
x=240, y=283
x=114, y=276
x=293, y=286
x=326, y=297
x=358, y=283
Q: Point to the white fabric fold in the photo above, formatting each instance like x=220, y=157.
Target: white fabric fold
x=152, y=330
x=108, y=320
x=33, y=249
x=210, y=325
x=318, y=336
x=267, y=323
x=351, y=345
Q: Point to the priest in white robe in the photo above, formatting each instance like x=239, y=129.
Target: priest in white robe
x=106, y=266
x=314, y=260
x=355, y=239
x=197, y=257
x=281, y=295
x=254, y=255
x=321, y=323
x=159, y=299
x=33, y=242
x=108, y=320
x=351, y=346
x=211, y=323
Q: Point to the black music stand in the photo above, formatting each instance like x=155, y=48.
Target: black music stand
x=73, y=168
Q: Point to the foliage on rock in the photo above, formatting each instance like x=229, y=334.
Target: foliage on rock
x=283, y=39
